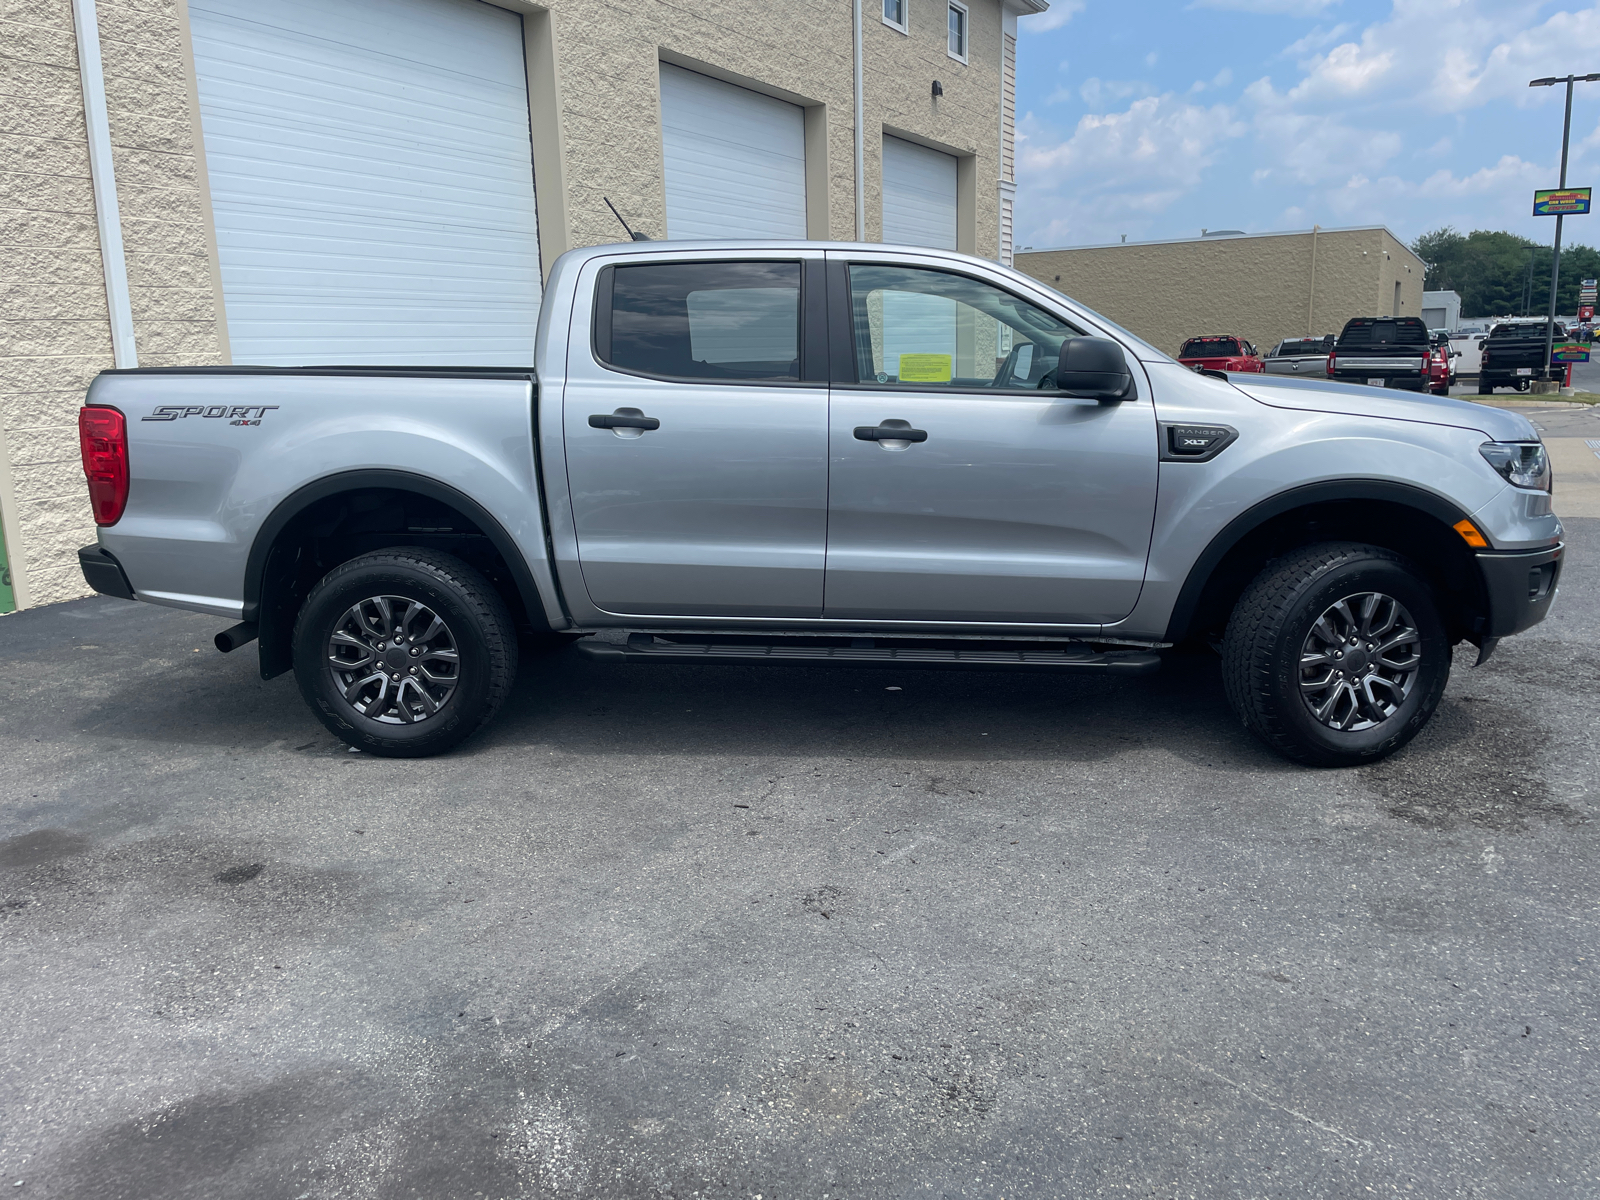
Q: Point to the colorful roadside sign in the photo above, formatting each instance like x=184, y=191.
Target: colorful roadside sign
x=1570, y=352
x=1561, y=202
x=1585, y=312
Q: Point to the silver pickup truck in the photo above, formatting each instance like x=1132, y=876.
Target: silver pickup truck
x=822, y=454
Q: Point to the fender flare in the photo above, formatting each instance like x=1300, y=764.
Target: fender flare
x=296, y=502
x=1236, y=530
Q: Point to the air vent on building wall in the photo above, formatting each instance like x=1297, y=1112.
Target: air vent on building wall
x=1222, y=233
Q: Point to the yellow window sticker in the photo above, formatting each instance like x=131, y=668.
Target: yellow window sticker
x=925, y=368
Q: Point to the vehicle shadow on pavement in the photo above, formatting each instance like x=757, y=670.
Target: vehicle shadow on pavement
x=752, y=712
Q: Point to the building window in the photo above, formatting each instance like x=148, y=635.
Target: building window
x=958, y=31
x=894, y=14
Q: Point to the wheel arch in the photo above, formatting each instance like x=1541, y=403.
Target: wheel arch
x=266, y=571
x=1410, y=520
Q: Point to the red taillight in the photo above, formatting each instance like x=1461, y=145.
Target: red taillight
x=103, y=438
x=1330, y=365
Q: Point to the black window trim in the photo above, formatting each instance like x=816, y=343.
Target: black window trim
x=813, y=333
x=841, y=334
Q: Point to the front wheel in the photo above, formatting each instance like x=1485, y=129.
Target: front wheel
x=1335, y=654
x=404, y=652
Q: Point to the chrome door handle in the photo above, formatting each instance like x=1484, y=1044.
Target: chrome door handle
x=885, y=432
x=623, y=418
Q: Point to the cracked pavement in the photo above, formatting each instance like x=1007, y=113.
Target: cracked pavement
x=728, y=932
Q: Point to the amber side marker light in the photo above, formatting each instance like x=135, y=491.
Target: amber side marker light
x=1469, y=533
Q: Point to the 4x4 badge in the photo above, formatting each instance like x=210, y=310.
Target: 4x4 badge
x=234, y=414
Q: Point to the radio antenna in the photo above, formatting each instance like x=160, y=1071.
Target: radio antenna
x=638, y=237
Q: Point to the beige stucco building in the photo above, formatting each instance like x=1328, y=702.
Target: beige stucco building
x=1262, y=287
x=193, y=181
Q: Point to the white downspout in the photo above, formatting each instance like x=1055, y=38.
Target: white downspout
x=87, y=26
x=861, y=141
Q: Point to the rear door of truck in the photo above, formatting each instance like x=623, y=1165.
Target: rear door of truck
x=695, y=424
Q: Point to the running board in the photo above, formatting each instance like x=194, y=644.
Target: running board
x=1070, y=658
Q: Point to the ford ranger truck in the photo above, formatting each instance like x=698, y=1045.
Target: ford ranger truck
x=801, y=454
x=1514, y=356
x=1392, y=352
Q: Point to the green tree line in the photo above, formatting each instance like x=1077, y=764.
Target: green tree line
x=1502, y=274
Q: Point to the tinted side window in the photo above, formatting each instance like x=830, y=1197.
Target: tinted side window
x=723, y=321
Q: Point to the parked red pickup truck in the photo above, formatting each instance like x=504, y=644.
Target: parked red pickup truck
x=1221, y=354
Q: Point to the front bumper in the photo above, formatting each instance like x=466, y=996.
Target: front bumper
x=104, y=573
x=1519, y=585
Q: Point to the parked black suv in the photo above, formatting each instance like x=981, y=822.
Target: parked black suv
x=1388, y=352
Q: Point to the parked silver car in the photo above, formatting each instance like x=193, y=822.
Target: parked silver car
x=822, y=454
x=1306, y=357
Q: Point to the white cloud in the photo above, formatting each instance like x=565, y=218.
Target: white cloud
x=1060, y=12
x=1351, y=131
x=1120, y=169
x=1310, y=147
x=1316, y=40
x=1096, y=91
x=1291, y=8
x=1347, y=71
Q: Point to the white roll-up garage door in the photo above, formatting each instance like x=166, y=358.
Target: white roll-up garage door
x=919, y=195
x=735, y=160
x=371, y=178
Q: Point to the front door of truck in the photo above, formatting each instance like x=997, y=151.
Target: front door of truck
x=696, y=439
x=1004, y=501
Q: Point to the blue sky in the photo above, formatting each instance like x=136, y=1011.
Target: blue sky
x=1161, y=118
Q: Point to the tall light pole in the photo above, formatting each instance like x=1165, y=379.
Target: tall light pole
x=1555, y=260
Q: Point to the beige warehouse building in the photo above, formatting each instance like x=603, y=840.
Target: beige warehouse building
x=1261, y=287
x=305, y=181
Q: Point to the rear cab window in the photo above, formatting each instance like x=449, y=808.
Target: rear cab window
x=726, y=322
x=1385, y=331
x=1210, y=348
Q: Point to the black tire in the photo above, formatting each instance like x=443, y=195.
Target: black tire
x=475, y=621
x=1271, y=624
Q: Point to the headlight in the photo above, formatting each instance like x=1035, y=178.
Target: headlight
x=1522, y=464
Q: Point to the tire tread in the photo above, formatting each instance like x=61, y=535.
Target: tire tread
x=480, y=597
x=1254, y=626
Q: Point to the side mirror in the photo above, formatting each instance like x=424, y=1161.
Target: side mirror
x=1093, y=368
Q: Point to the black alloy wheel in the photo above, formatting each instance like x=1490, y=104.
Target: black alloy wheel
x=1335, y=654
x=404, y=652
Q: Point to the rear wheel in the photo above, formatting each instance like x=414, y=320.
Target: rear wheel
x=1335, y=655
x=405, y=652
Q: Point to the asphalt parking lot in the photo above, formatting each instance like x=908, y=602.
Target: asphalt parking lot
x=748, y=932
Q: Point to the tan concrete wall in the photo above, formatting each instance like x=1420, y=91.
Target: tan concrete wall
x=54, y=327
x=158, y=182
x=54, y=330
x=1259, y=288
x=608, y=55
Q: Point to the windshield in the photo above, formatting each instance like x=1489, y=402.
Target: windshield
x=1209, y=348
x=1384, y=331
